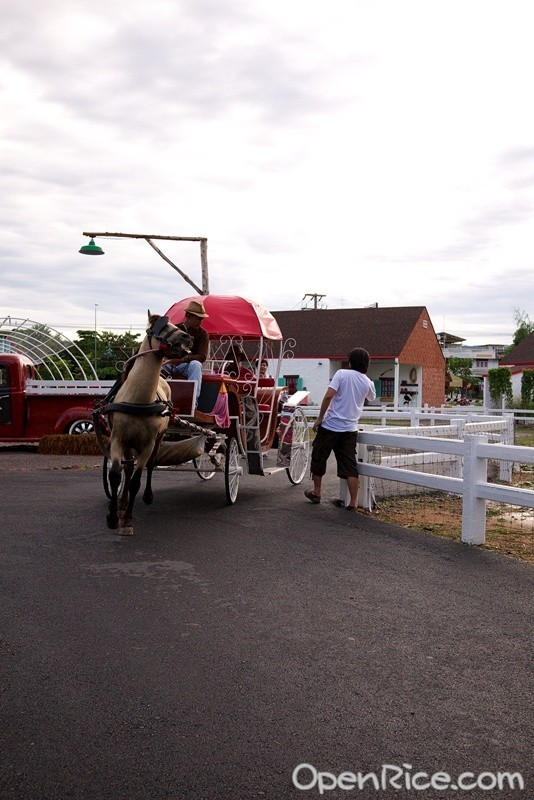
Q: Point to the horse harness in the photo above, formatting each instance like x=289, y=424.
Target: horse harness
x=158, y=407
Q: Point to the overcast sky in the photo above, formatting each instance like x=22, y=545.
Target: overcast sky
x=365, y=150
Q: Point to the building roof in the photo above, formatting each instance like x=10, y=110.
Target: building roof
x=332, y=333
x=523, y=353
x=449, y=338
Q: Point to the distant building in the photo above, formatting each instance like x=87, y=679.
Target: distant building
x=483, y=356
x=407, y=362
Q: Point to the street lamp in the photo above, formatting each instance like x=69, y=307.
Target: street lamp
x=93, y=249
x=96, y=306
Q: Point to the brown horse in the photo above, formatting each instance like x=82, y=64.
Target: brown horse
x=139, y=416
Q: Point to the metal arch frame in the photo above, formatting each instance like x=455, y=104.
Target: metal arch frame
x=41, y=345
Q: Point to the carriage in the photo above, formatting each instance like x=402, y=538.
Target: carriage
x=241, y=413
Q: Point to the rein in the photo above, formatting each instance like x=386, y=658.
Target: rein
x=157, y=350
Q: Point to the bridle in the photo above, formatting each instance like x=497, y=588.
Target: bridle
x=155, y=331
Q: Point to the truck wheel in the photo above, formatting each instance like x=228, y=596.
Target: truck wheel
x=81, y=426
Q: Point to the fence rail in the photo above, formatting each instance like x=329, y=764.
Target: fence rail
x=419, y=413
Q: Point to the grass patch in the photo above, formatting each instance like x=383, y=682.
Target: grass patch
x=508, y=532
x=523, y=435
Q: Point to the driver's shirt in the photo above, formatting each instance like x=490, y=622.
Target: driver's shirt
x=200, y=346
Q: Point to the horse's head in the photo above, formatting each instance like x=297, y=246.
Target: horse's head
x=173, y=342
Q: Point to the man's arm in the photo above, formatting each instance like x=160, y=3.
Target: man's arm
x=324, y=407
x=371, y=394
x=200, y=349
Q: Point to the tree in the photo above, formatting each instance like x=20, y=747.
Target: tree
x=462, y=368
x=524, y=327
x=112, y=350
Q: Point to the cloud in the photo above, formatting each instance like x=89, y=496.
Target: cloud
x=370, y=152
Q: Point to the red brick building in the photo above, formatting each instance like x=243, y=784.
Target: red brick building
x=407, y=363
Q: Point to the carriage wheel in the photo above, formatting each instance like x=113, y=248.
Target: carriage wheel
x=106, y=466
x=298, y=433
x=232, y=470
x=204, y=467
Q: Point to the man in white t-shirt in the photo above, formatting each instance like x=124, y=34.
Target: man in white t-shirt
x=336, y=425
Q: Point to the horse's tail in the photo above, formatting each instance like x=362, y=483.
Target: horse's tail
x=102, y=429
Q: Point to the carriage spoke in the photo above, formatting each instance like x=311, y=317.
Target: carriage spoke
x=232, y=470
x=300, y=447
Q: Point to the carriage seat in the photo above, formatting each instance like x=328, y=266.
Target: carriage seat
x=208, y=404
x=266, y=390
x=182, y=395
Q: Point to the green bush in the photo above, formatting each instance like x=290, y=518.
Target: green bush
x=500, y=384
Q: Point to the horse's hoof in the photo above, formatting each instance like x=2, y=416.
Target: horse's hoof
x=126, y=531
x=148, y=499
x=112, y=523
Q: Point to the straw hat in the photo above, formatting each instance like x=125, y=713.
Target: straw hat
x=197, y=309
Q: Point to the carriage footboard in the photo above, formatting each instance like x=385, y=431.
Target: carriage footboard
x=174, y=453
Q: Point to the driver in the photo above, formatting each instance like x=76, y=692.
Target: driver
x=190, y=366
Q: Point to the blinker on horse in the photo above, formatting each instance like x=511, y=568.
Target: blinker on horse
x=139, y=415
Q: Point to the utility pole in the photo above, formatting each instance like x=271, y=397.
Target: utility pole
x=96, y=306
x=315, y=297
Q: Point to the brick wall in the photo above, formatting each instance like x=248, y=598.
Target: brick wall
x=423, y=348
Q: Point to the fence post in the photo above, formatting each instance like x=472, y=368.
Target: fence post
x=507, y=437
x=473, y=507
x=365, y=491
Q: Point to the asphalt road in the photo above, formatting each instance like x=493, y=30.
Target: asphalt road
x=219, y=648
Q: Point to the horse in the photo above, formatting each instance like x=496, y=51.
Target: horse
x=139, y=415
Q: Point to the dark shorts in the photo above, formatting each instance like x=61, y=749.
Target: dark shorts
x=344, y=447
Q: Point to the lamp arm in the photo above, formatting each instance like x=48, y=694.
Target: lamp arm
x=184, y=276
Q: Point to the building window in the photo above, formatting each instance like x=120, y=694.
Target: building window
x=482, y=363
x=387, y=386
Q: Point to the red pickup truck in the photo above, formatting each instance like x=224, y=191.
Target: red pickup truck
x=31, y=409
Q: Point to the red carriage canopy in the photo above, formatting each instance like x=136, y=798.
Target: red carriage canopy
x=230, y=315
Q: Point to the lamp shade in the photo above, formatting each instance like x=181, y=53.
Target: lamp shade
x=91, y=249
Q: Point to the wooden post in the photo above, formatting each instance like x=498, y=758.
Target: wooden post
x=204, y=265
x=473, y=507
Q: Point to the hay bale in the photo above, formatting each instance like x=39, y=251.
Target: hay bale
x=84, y=444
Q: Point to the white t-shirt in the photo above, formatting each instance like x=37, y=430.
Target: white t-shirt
x=352, y=389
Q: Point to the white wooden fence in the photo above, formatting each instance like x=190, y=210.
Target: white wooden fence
x=472, y=452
